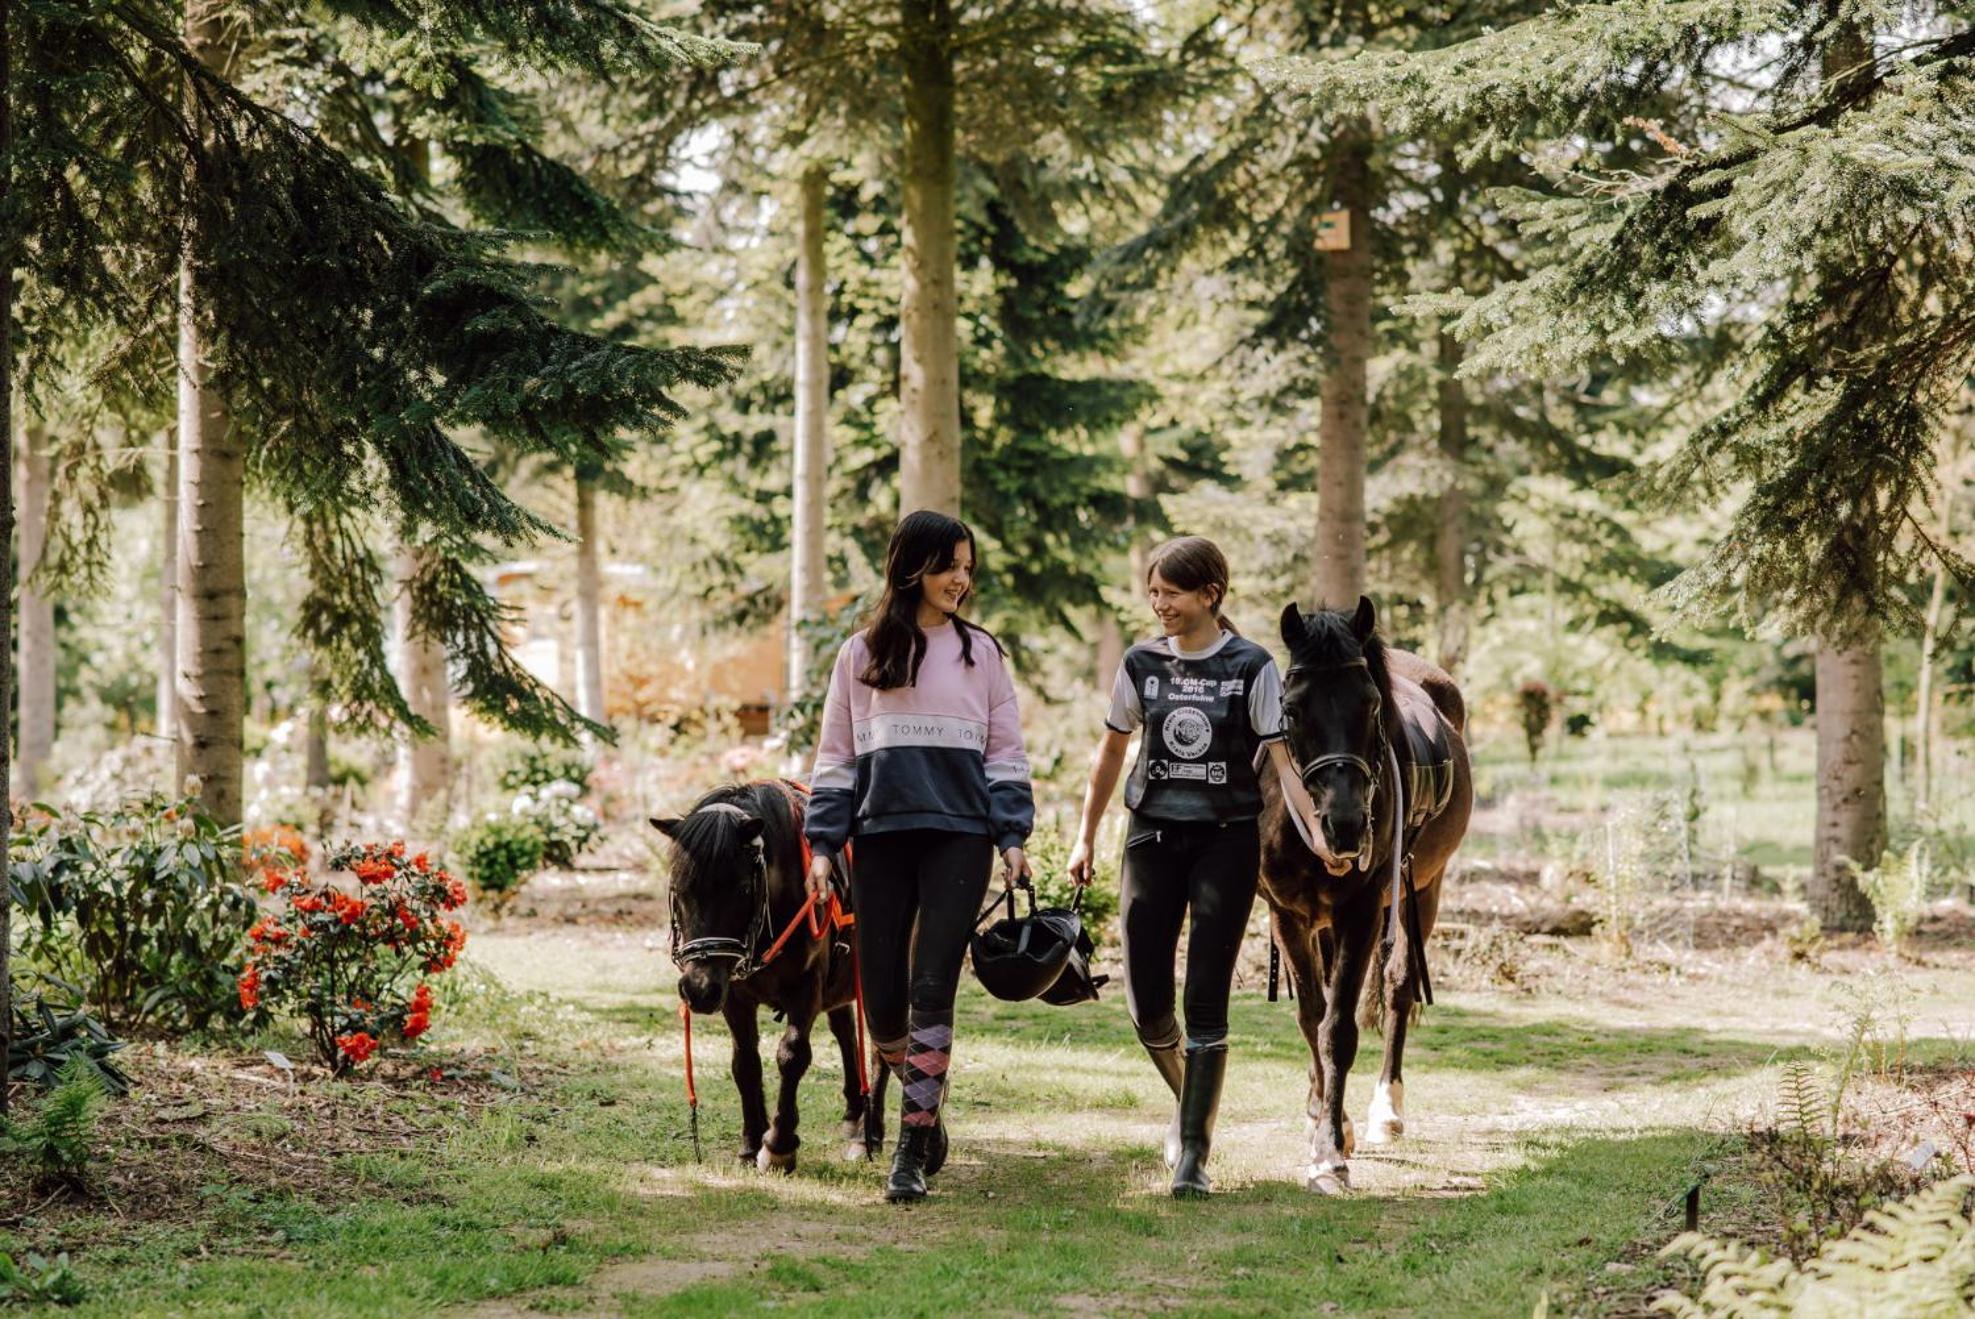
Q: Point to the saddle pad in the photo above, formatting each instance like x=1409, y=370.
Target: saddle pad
x=1429, y=753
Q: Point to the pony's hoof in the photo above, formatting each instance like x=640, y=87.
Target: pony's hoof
x=1327, y=1178
x=750, y=1158
x=1384, y=1131
x=769, y=1161
x=856, y=1151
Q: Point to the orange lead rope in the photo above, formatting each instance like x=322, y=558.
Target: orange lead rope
x=692, y=1091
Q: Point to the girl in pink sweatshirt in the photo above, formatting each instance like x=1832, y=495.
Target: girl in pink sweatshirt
x=921, y=761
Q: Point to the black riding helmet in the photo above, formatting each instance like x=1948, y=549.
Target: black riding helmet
x=1020, y=957
x=1076, y=984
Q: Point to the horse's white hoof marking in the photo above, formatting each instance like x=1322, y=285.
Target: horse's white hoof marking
x=1385, y=1122
x=1327, y=1178
x=769, y=1161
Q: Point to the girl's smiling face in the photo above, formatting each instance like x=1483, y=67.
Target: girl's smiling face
x=947, y=589
x=1179, y=612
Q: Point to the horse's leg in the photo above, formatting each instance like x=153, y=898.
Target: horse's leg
x=792, y=1060
x=843, y=1025
x=746, y=1034
x=1355, y=928
x=1300, y=949
x=1386, y=1119
x=874, y=1106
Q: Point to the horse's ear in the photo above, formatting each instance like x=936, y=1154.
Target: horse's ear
x=750, y=829
x=668, y=826
x=1292, y=625
x=1364, y=620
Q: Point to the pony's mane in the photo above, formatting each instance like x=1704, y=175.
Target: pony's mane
x=706, y=837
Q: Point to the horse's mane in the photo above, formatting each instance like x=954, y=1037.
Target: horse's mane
x=704, y=836
x=1330, y=638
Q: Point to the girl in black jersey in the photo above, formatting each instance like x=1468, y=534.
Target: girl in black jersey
x=1207, y=699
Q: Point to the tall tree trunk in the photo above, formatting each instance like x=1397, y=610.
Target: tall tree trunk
x=1923, y=715
x=589, y=605
x=1340, y=576
x=9, y=258
x=1450, y=533
x=808, y=574
x=212, y=482
x=1851, y=782
x=424, y=764
x=929, y=367
x=167, y=698
x=1851, y=713
x=37, y=625
x=1138, y=489
x=315, y=748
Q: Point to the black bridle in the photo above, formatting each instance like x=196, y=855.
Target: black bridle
x=743, y=953
x=1374, y=772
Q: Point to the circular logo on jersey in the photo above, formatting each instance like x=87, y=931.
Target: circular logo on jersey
x=1187, y=733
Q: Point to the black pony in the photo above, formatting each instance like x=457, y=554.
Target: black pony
x=1367, y=726
x=737, y=883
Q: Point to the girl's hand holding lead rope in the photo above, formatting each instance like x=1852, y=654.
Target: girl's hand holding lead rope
x=1015, y=872
x=819, y=877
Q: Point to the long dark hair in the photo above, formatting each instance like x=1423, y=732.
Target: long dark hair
x=1193, y=563
x=922, y=544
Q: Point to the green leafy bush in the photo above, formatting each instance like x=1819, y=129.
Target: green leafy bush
x=537, y=766
x=59, y=1138
x=1049, y=858
x=37, y=1280
x=1915, y=1257
x=1898, y=892
x=499, y=855
x=142, y=906
x=49, y=1035
x=565, y=825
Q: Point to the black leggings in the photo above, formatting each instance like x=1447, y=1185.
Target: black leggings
x=928, y=876
x=1169, y=867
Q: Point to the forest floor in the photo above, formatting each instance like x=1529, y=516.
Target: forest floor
x=1557, y=1112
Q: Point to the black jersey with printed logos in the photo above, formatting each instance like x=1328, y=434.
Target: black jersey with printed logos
x=1204, y=713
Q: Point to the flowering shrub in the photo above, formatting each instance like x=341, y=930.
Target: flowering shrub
x=273, y=847
x=354, y=962
x=140, y=907
x=499, y=854
x=539, y=766
x=566, y=825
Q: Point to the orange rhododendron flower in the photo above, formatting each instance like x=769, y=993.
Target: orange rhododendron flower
x=357, y=1047
x=250, y=988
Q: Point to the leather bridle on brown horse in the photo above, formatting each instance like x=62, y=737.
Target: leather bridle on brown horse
x=1374, y=774
x=1403, y=902
x=819, y=918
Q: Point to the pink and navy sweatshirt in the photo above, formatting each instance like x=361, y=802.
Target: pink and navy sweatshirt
x=943, y=753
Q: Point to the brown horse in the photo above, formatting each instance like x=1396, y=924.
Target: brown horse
x=737, y=883
x=1365, y=726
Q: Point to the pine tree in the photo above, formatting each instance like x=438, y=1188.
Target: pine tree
x=1828, y=218
x=348, y=336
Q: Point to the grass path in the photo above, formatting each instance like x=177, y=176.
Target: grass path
x=1549, y=1138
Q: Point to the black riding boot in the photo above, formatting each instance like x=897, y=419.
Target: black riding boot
x=1200, y=1102
x=907, y=1182
x=936, y=1147
x=1172, y=1069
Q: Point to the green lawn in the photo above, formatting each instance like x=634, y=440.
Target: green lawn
x=1549, y=1138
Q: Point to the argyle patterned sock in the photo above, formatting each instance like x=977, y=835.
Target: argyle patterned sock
x=925, y=1072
